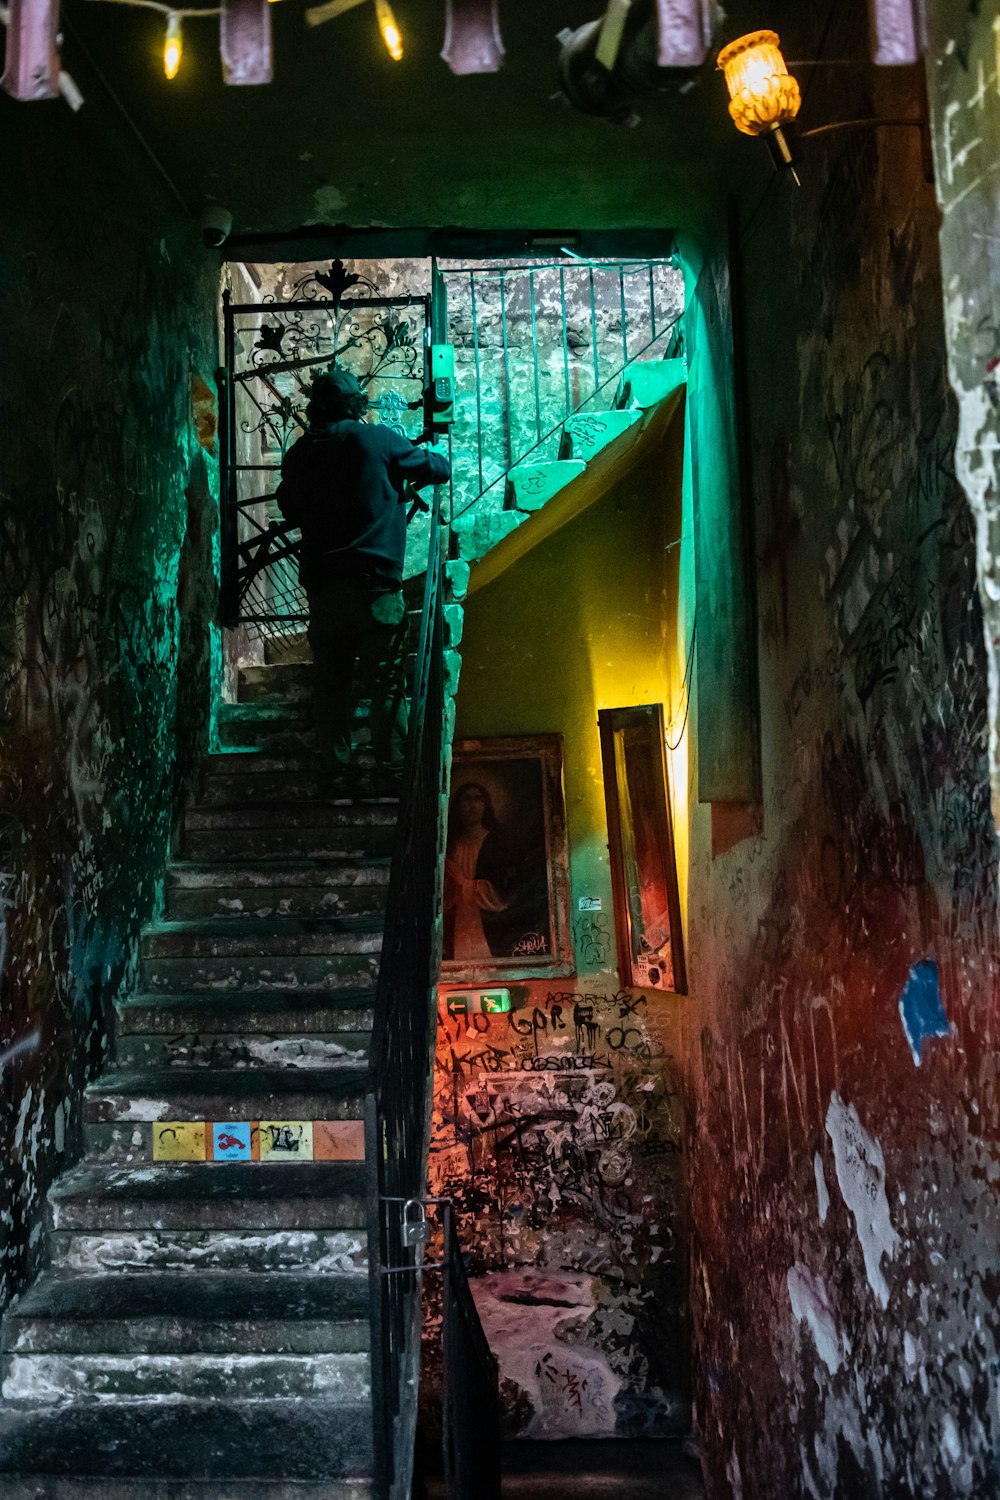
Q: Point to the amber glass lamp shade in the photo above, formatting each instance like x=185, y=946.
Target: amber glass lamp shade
x=762, y=93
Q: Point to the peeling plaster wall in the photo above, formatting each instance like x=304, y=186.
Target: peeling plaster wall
x=842, y=1065
x=108, y=523
x=559, y=1128
x=964, y=90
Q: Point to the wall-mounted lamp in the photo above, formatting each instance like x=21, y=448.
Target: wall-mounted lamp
x=764, y=98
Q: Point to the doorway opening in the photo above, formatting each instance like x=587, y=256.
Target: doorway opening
x=534, y=343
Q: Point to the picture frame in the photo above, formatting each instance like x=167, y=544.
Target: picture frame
x=641, y=845
x=506, y=885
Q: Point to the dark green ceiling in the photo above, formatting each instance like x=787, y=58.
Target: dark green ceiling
x=346, y=136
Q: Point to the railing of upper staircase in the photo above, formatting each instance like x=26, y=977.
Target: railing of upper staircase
x=538, y=343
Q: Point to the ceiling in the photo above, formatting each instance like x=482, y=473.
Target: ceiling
x=346, y=136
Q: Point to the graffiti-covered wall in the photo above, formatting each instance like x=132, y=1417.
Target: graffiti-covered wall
x=107, y=531
x=842, y=935
x=559, y=1127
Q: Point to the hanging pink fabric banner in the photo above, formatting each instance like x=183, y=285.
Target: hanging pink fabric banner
x=685, y=33
x=896, y=32
x=31, y=70
x=472, y=37
x=245, y=41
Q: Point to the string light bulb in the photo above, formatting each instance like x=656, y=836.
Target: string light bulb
x=391, y=34
x=172, y=45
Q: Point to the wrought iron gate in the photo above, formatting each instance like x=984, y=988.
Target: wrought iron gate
x=272, y=350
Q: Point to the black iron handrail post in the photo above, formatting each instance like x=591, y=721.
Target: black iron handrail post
x=399, y=1091
x=470, y=1385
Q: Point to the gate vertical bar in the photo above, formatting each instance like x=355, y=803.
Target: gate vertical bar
x=479, y=397
x=565, y=339
x=229, y=538
x=508, y=424
x=534, y=356
x=621, y=298
x=593, y=331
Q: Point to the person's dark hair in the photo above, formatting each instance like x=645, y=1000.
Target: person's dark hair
x=335, y=397
x=455, y=825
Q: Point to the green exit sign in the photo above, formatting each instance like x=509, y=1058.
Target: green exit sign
x=494, y=1002
x=487, y=1002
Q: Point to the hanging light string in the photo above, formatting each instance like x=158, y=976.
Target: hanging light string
x=172, y=43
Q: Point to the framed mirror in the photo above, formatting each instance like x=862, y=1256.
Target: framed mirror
x=641, y=845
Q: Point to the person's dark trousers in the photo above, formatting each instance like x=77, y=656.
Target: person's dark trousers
x=357, y=639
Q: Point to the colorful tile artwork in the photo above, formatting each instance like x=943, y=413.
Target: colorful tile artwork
x=178, y=1140
x=259, y=1140
x=338, y=1140
x=286, y=1140
x=231, y=1142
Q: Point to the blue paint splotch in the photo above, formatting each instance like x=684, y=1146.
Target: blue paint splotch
x=920, y=1008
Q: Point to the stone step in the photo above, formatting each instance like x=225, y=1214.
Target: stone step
x=587, y=433
x=236, y=889
x=200, y=1049
x=282, y=680
x=243, y=1196
x=59, y=1487
x=280, y=937
x=121, y=1252
x=279, y=724
x=295, y=837
x=363, y=815
x=647, y=382
x=187, y=1450
x=266, y=972
x=33, y=1378
x=249, y=1013
x=153, y=1095
x=530, y=485
x=308, y=783
x=214, y=1313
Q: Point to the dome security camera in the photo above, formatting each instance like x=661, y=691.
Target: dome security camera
x=216, y=224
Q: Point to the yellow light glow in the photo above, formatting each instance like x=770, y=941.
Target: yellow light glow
x=391, y=35
x=172, y=46
x=762, y=92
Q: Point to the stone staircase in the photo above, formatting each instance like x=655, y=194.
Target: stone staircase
x=201, y=1332
x=532, y=482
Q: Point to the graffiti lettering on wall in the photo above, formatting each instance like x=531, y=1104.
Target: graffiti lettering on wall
x=558, y=1133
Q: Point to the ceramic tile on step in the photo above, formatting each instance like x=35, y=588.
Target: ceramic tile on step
x=230, y=1142
x=179, y=1140
x=338, y=1140
x=286, y=1140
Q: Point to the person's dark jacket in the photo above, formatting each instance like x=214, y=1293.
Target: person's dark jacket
x=344, y=487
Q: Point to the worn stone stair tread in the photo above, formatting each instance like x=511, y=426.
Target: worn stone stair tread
x=273, y=936
x=225, y=1094
x=265, y=926
x=213, y=1296
x=287, y=870
x=214, y=1313
x=278, y=1439
x=254, y=1010
x=378, y=811
x=232, y=760
x=241, y=1196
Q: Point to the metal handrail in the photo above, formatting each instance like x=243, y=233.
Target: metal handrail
x=398, y=1094
x=470, y=1385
